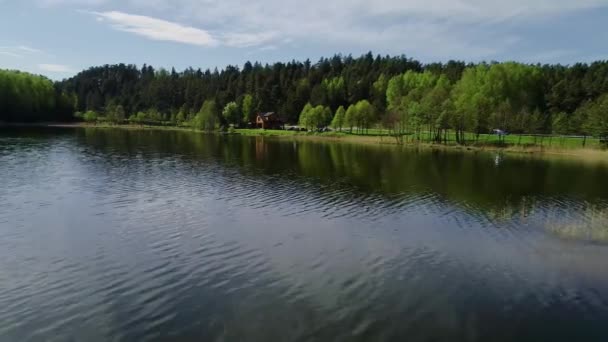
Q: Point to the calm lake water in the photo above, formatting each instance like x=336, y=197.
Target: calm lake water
x=117, y=235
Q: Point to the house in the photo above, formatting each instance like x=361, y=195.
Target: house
x=269, y=120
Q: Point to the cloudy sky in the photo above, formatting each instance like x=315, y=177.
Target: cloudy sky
x=58, y=38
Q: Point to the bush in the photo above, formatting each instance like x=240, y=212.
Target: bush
x=90, y=116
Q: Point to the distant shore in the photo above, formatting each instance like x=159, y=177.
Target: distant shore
x=588, y=153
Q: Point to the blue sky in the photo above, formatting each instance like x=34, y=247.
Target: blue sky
x=58, y=38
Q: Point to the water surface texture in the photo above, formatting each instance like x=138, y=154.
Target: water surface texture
x=118, y=235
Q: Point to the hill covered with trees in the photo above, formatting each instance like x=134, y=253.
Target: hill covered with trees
x=397, y=93
x=30, y=98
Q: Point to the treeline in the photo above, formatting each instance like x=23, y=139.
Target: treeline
x=509, y=97
x=355, y=94
x=29, y=98
x=284, y=88
x=398, y=93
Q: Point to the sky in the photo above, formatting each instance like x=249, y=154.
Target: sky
x=58, y=38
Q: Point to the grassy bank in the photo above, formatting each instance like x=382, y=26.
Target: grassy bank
x=571, y=147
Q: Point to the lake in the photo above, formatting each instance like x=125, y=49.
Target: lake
x=142, y=235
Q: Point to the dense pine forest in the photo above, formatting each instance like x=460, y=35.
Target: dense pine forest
x=399, y=94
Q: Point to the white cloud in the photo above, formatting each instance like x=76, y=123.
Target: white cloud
x=71, y=2
x=268, y=48
x=19, y=51
x=55, y=68
x=433, y=28
x=157, y=29
x=551, y=55
x=28, y=49
x=262, y=49
x=425, y=28
x=247, y=39
x=471, y=10
x=10, y=54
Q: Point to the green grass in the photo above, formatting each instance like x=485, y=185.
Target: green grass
x=484, y=140
x=512, y=140
x=493, y=140
x=266, y=132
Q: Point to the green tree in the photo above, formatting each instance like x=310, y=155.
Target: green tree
x=206, y=119
x=90, y=116
x=306, y=114
x=560, y=124
x=139, y=118
x=248, y=108
x=339, y=119
x=484, y=90
x=351, y=117
x=436, y=108
x=182, y=115
x=597, y=117
x=380, y=87
x=28, y=98
x=152, y=114
x=116, y=114
x=230, y=113
x=365, y=114
x=414, y=100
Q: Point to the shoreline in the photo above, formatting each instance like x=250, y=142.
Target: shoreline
x=587, y=154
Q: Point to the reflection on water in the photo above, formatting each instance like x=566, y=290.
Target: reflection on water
x=589, y=225
x=151, y=235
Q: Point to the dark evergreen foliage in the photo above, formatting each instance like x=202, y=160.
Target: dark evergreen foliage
x=435, y=97
x=282, y=87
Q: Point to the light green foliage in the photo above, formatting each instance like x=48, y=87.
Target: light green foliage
x=230, y=113
x=365, y=114
x=26, y=98
x=350, y=119
x=248, y=108
x=361, y=115
x=509, y=91
x=596, y=122
x=560, y=124
x=339, y=119
x=140, y=118
x=314, y=117
x=115, y=114
x=418, y=100
x=150, y=117
x=335, y=89
x=182, y=115
x=431, y=102
x=154, y=115
x=206, y=119
x=436, y=107
x=304, y=116
x=90, y=116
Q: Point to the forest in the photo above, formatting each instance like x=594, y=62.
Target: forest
x=353, y=94
x=30, y=98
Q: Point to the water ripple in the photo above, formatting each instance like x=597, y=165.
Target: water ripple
x=192, y=238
